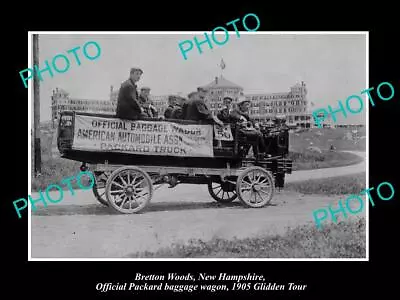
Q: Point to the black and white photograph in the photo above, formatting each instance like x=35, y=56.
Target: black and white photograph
x=176, y=145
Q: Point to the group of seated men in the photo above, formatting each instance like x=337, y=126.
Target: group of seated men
x=196, y=109
x=133, y=106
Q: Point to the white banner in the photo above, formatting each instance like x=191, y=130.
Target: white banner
x=142, y=137
x=223, y=133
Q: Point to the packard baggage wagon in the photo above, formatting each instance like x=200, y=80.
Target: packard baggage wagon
x=131, y=159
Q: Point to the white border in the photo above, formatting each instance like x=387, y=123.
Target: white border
x=30, y=91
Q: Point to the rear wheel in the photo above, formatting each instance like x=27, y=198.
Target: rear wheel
x=99, y=187
x=222, y=192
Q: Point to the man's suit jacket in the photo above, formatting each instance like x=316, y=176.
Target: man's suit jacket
x=225, y=115
x=197, y=110
x=128, y=106
x=236, y=114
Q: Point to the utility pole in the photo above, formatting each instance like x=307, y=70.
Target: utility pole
x=36, y=110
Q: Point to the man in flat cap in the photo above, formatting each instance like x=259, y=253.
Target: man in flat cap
x=241, y=116
x=196, y=109
x=146, y=104
x=174, y=109
x=225, y=113
x=128, y=103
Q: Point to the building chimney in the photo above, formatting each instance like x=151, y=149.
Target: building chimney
x=111, y=89
x=216, y=80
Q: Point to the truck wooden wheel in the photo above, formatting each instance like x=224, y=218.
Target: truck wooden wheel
x=255, y=187
x=129, y=190
x=99, y=187
x=222, y=192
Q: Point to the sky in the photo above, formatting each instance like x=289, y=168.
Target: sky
x=333, y=66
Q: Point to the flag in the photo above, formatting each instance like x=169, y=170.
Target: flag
x=222, y=65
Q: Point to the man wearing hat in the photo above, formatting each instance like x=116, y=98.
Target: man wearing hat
x=196, y=109
x=241, y=115
x=128, y=103
x=225, y=113
x=145, y=103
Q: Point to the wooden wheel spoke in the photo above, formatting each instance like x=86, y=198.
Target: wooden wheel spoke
x=255, y=196
x=265, y=185
x=141, y=193
x=116, y=191
x=123, y=202
x=265, y=180
x=220, y=190
x=123, y=180
x=255, y=188
x=139, y=183
x=130, y=202
x=133, y=180
x=117, y=184
x=259, y=196
x=264, y=192
x=247, y=182
x=117, y=198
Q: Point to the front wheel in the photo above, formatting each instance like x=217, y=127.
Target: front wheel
x=255, y=187
x=129, y=190
x=222, y=192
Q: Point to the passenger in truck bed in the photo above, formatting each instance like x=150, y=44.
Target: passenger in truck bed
x=248, y=128
x=225, y=113
x=196, y=109
x=174, y=109
x=146, y=104
x=128, y=99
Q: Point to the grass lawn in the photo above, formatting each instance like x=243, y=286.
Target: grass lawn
x=341, y=138
x=344, y=240
x=350, y=184
x=307, y=160
x=53, y=170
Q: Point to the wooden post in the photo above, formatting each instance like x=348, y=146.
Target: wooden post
x=36, y=110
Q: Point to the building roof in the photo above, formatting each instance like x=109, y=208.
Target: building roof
x=221, y=82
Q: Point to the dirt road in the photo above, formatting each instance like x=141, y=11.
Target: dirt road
x=79, y=227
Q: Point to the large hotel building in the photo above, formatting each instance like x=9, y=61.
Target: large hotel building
x=293, y=103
